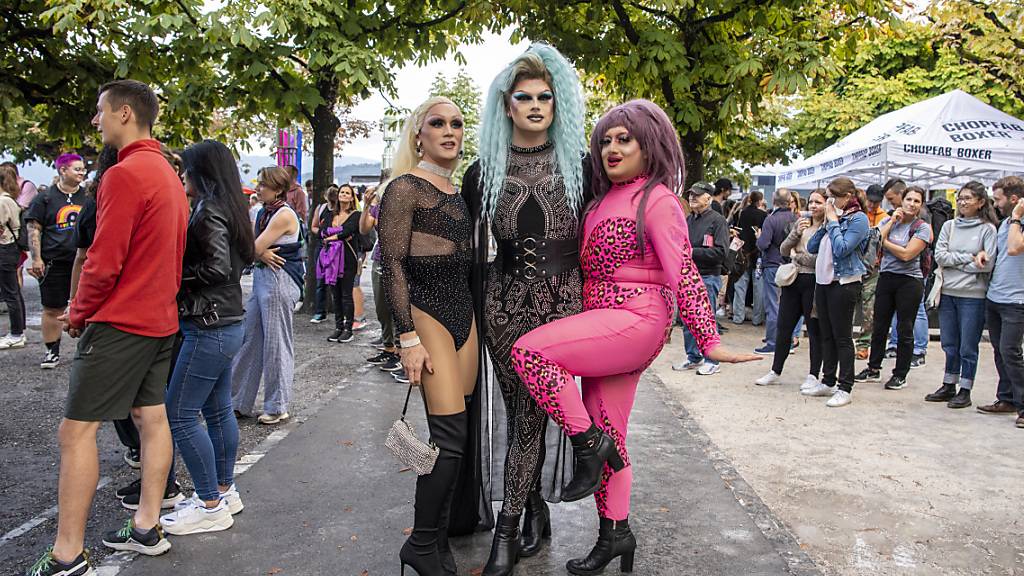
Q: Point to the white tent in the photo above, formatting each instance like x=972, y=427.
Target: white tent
x=942, y=142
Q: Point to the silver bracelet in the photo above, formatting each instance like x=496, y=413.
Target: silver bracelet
x=409, y=343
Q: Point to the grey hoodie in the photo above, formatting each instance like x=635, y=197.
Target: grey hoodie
x=960, y=276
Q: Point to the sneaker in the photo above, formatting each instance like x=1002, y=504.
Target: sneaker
x=10, y=341
x=686, y=365
x=377, y=342
x=335, y=336
x=1020, y=422
x=196, y=518
x=863, y=353
x=50, y=361
x=233, y=499
x=890, y=352
x=317, y=318
x=821, y=390
x=273, y=418
x=345, y=336
x=394, y=364
x=795, y=345
x=765, y=350
x=917, y=361
x=150, y=542
x=132, y=458
x=840, y=398
x=868, y=375
x=896, y=383
x=707, y=369
x=769, y=379
x=380, y=359
x=359, y=325
x=400, y=376
x=133, y=493
x=810, y=382
x=47, y=565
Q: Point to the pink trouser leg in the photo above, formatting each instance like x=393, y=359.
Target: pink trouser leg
x=609, y=401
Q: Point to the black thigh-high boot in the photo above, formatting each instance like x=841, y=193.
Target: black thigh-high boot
x=433, y=493
x=443, y=549
x=614, y=540
x=591, y=450
x=505, y=547
x=536, y=525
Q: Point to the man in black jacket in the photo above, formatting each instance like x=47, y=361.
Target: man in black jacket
x=709, y=236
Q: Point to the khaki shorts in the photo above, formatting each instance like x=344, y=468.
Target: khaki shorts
x=114, y=371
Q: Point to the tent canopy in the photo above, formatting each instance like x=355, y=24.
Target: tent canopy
x=941, y=142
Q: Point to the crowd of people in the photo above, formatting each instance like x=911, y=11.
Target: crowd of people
x=553, y=262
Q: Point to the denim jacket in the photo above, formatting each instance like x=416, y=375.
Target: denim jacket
x=846, y=235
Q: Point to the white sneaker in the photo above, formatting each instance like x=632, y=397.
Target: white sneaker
x=769, y=379
x=810, y=382
x=272, y=418
x=196, y=519
x=840, y=398
x=12, y=342
x=192, y=500
x=686, y=365
x=819, y=390
x=233, y=499
x=707, y=369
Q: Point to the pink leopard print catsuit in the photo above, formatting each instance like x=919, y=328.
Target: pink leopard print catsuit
x=627, y=302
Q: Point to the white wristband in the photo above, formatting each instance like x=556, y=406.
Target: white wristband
x=409, y=343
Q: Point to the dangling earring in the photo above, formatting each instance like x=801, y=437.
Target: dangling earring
x=461, y=153
x=419, y=150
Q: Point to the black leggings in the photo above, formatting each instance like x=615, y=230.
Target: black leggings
x=900, y=294
x=344, y=304
x=797, y=300
x=10, y=293
x=835, y=304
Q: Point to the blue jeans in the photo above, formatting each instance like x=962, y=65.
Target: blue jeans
x=739, y=301
x=920, y=332
x=713, y=284
x=201, y=382
x=962, y=321
x=770, y=291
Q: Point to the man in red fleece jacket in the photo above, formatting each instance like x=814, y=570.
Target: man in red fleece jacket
x=125, y=312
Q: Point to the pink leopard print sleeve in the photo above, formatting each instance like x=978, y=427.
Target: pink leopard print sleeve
x=667, y=232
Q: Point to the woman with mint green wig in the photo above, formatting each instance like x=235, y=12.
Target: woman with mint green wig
x=527, y=193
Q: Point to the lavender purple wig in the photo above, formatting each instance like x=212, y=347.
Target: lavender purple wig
x=65, y=160
x=654, y=132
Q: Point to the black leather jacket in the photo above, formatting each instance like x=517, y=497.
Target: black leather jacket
x=210, y=295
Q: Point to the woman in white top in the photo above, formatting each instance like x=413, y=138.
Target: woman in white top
x=10, y=255
x=267, y=350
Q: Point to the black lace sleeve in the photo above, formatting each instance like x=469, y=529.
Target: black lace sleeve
x=394, y=230
x=473, y=196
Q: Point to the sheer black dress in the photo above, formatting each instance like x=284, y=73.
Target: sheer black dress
x=534, y=278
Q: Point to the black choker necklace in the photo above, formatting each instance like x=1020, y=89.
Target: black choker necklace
x=533, y=149
x=632, y=180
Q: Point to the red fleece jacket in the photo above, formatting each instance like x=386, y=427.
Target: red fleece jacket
x=133, y=269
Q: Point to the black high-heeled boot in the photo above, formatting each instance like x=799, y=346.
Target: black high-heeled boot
x=591, y=449
x=614, y=540
x=443, y=549
x=433, y=492
x=504, y=548
x=536, y=525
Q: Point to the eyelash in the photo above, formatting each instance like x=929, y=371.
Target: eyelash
x=622, y=140
x=543, y=97
x=438, y=123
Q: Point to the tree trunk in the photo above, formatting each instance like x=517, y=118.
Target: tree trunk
x=325, y=126
x=693, y=157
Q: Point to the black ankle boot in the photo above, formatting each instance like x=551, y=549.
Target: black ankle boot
x=505, y=548
x=961, y=400
x=614, y=540
x=433, y=496
x=536, y=525
x=591, y=449
x=944, y=394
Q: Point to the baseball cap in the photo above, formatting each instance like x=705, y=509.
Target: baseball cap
x=700, y=188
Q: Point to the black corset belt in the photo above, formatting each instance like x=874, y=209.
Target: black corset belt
x=531, y=258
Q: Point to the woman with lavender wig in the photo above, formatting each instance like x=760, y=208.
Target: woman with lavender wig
x=636, y=259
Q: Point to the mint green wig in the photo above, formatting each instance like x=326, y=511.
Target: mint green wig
x=566, y=131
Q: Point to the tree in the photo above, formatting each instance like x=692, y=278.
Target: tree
x=711, y=65
x=464, y=92
x=909, y=61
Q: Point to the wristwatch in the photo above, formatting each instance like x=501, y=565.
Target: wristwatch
x=1017, y=222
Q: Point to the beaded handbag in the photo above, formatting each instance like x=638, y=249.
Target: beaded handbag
x=407, y=448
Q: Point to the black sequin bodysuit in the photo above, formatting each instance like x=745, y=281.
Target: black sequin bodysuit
x=532, y=203
x=425, y=255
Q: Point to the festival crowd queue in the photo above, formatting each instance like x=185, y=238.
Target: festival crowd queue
x=596, y=257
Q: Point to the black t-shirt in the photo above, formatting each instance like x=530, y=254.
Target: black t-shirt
x=85, y=231
x=750, y=217
x=58, y=214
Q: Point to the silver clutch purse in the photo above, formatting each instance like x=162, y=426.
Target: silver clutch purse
x=407, y=448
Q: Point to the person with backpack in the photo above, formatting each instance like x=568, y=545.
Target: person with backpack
x=905, y=263
x=13, y=242
x=963, y=287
